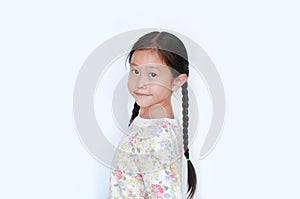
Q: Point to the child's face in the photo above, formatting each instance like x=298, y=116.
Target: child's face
x=150, y=76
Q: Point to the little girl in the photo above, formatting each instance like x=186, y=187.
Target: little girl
x=148, y=161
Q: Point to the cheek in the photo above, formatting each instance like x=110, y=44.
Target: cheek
x=130, y=85
x=162, y=85
x=159, y=90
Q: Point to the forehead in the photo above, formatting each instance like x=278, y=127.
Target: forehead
x=141, y=57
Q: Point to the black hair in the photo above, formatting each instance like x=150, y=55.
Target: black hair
x=173, y=52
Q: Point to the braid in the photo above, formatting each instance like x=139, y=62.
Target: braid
x=135, y=112
x=185, y=117
x=192, y=179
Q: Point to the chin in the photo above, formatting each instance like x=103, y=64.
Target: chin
x=143, y=105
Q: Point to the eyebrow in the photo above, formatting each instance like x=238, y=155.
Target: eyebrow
x=133, y=64
x=150, y=66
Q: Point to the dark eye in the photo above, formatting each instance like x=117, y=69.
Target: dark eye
x=153, y=74
x=134, y=70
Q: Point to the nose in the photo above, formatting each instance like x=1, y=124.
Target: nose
x=142, y=81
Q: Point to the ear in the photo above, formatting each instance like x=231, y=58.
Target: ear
x=178, y=82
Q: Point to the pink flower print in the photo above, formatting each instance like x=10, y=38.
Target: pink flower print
x=143, y=195
x=131, y=194
x=169, y=175
x=119, y=174
x=157, y=189
x=172, y=175
x=174, y=126
x=139, y=176
x=165, y=125
x=131, y=141
x=172, y=168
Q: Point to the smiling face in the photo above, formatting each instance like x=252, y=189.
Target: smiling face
x=150, y=79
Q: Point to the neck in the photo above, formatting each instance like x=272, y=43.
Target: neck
x=163, y=110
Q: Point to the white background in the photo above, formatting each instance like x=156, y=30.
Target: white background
x=254, y=45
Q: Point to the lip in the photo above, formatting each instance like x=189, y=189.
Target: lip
x=142, y=94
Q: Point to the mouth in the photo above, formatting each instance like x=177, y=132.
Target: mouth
x=142, y=94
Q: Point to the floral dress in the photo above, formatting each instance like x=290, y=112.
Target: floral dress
x=148, y=161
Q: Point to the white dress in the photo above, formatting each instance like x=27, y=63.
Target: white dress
x=148, y=161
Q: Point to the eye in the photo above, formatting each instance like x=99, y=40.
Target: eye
x=153, y=74
x=133, y=71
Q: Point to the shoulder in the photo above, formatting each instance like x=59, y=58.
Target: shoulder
x=168, y=126
x=151, y=127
